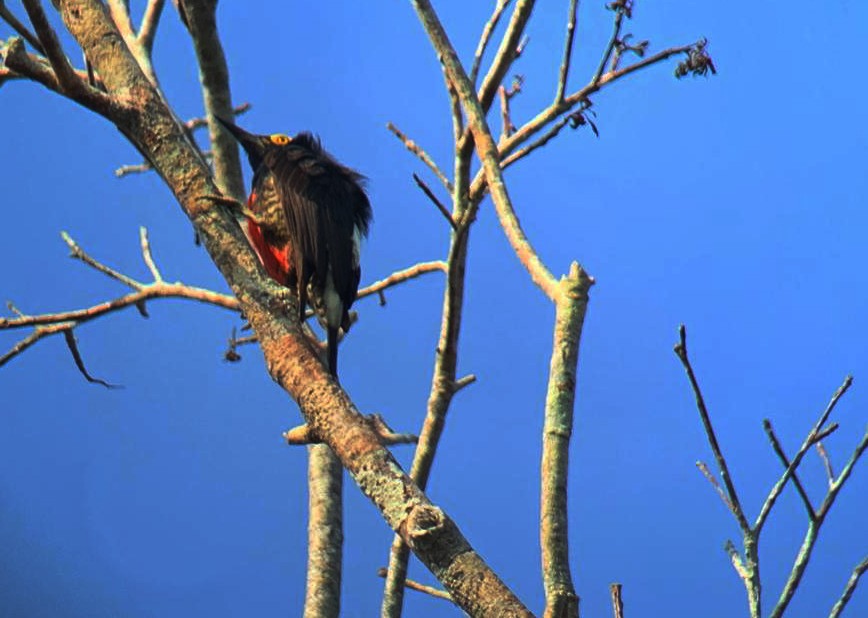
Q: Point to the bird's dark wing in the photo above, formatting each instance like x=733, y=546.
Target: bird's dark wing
x=324, y=203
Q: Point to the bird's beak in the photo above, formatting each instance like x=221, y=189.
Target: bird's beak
x=254, y=145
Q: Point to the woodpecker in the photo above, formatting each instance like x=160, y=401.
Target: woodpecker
x=307, y=215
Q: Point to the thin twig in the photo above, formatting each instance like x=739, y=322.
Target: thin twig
x=510, y=47
x=827, y=462
x=797, y=458
x=28, y=341
x=146, y=293
x=463, y=382
x=779, y=451
x=810, y=539
x=565, y=107
x=849, y=589
x=613, y=41
x=485, y=37
x=419, y=152
x=538, y=143
x=78, y=253
x=146, y=255
x=564, y=72
x=401, y=276
x=723, y=468
x=443, y=210
x=414, y=585
x=709, y=476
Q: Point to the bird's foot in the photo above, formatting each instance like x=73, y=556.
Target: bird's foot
x=235, y=207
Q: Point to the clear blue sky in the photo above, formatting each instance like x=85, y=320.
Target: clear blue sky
x=736, y=205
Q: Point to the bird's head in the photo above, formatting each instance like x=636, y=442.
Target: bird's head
x=255, y=145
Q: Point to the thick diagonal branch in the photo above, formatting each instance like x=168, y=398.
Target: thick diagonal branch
x=292, y=363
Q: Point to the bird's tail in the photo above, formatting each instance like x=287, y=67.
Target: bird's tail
x=332, y=334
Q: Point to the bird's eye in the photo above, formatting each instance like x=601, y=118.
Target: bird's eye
x=280, y=139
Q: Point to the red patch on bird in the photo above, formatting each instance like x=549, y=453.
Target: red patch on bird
x=274, y=259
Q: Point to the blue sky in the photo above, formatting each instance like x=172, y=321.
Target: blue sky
x=735, y=205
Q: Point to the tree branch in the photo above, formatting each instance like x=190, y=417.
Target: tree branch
x=723, y=468
x=617, y=602
x=779, y=451
x=849, y=589
x=150, y=21
x=486, y=148
x=797, y=459
x=419, y=152
x=485, y=37
x=291, y=361
x=9, y=17
x=201, y=22
x=414, y=585
x=325, y=534
x=570, y=306
x=430, y=194
x=564, y=72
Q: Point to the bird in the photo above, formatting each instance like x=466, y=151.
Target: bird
x=306, y=217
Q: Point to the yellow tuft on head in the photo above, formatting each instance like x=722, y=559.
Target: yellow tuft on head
x=279, y=139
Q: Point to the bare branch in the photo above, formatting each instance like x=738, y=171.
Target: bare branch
x=621, y=9
x=849, y=589
x=485, y=37
x=564, y=72
x=146, y=255
x=510, y=47
x=414, y=585
x=419, y=152
x=201, y=22
x=506, y=95
x=150, y=21
x=570, y=307
x=813, y=531
x=78, y=253
x=443, y=210
x=560, y=114
x=797, y=459
x=709, y=476
x=827, y=462
x=325, y=534
x=28, y=341
x=66, y=76
x=137, y=168
x=617, y=602
x=681, y=352
x=401, y=276
x=779, y=451
x=7, y=16
x=120, y=14
x=542, y=141
x=463, y=382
